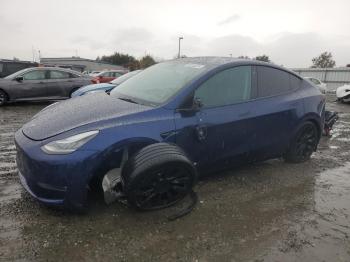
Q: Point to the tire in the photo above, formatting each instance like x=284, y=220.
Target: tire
x=3, y=97
x=304, y=144
x=157, y=176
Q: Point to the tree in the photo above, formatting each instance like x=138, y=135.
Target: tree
x=147, y=61
x=324, y=60
x=119, y=59
x=263, y=58
x=243, y=57
x=134, y=65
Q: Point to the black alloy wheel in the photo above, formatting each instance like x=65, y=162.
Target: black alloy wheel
x=304, y=145
x=162, y=187
x=3, y=97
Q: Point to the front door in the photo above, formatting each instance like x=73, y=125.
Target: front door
x=219, y=134
x=33, y=85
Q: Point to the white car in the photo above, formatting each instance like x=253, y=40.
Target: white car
x=321, y=86
x=343, y=93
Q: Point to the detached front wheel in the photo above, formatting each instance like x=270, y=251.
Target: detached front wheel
x=158, y=176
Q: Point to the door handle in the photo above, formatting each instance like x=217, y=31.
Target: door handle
x=201, y=132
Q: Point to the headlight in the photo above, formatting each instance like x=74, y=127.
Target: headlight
x=70, y=144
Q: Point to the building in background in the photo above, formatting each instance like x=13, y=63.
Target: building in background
x=8, y=67
x=79, y=64
x=333, y=77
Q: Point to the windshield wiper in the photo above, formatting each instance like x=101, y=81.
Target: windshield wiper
x=128, y=100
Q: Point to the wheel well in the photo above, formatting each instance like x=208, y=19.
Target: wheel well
x=73, y=90
x=7, y=95
x=95, y=181
x=319, y=131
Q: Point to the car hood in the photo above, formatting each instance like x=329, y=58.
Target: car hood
x=88, y=88
x=67, y=115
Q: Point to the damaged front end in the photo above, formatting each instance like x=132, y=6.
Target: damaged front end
x=112, y=186
x=112, y=182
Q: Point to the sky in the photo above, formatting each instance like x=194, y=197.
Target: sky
x=291, y=33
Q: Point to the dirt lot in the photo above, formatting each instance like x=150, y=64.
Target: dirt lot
x=271, y=211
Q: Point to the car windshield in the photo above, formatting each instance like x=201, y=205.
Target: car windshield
x=158, y=83
x=12, y=76
x=125, y=77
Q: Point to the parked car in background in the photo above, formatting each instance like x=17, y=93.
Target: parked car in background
x=343, y=93
x=153, y=135
x=320, y=85
x=8, y=67
x=40, y=83
x=93, y=73
x=104, y=87
x=107, y=76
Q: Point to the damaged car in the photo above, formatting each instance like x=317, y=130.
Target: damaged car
x=150, y=139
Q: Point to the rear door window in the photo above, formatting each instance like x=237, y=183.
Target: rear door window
x=116, y=74
x=227, y=87
x=58, y=74
x=272, y=81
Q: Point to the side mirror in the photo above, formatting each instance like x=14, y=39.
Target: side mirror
x=19, y=78
x=192, y=106
x=197, y=104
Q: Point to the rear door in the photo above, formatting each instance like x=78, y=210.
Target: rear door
x=61, y=83
x=219, y=134
x=33, y=86
x=277, y=110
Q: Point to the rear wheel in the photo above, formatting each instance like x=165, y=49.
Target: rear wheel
x=3, y=97
x=304, y=144
x=157, y=176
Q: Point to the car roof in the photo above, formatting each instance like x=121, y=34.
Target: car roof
x=52, y=68
x=215, y=61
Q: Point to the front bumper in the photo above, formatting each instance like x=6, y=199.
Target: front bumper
x=48, y=201
x=56, y=180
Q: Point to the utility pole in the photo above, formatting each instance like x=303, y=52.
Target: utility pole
x=33, y=54
x=180, y=38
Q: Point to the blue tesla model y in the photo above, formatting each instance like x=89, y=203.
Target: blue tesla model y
x=151, y=137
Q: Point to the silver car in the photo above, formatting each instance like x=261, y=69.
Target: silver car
x=41, y=83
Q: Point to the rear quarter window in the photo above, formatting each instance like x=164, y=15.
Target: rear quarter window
x=295, y=82
x=73, y=75
x=272, y=81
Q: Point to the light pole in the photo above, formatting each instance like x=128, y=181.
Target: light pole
x=180, y=38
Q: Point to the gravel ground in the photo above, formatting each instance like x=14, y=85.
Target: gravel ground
x=270, y=211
